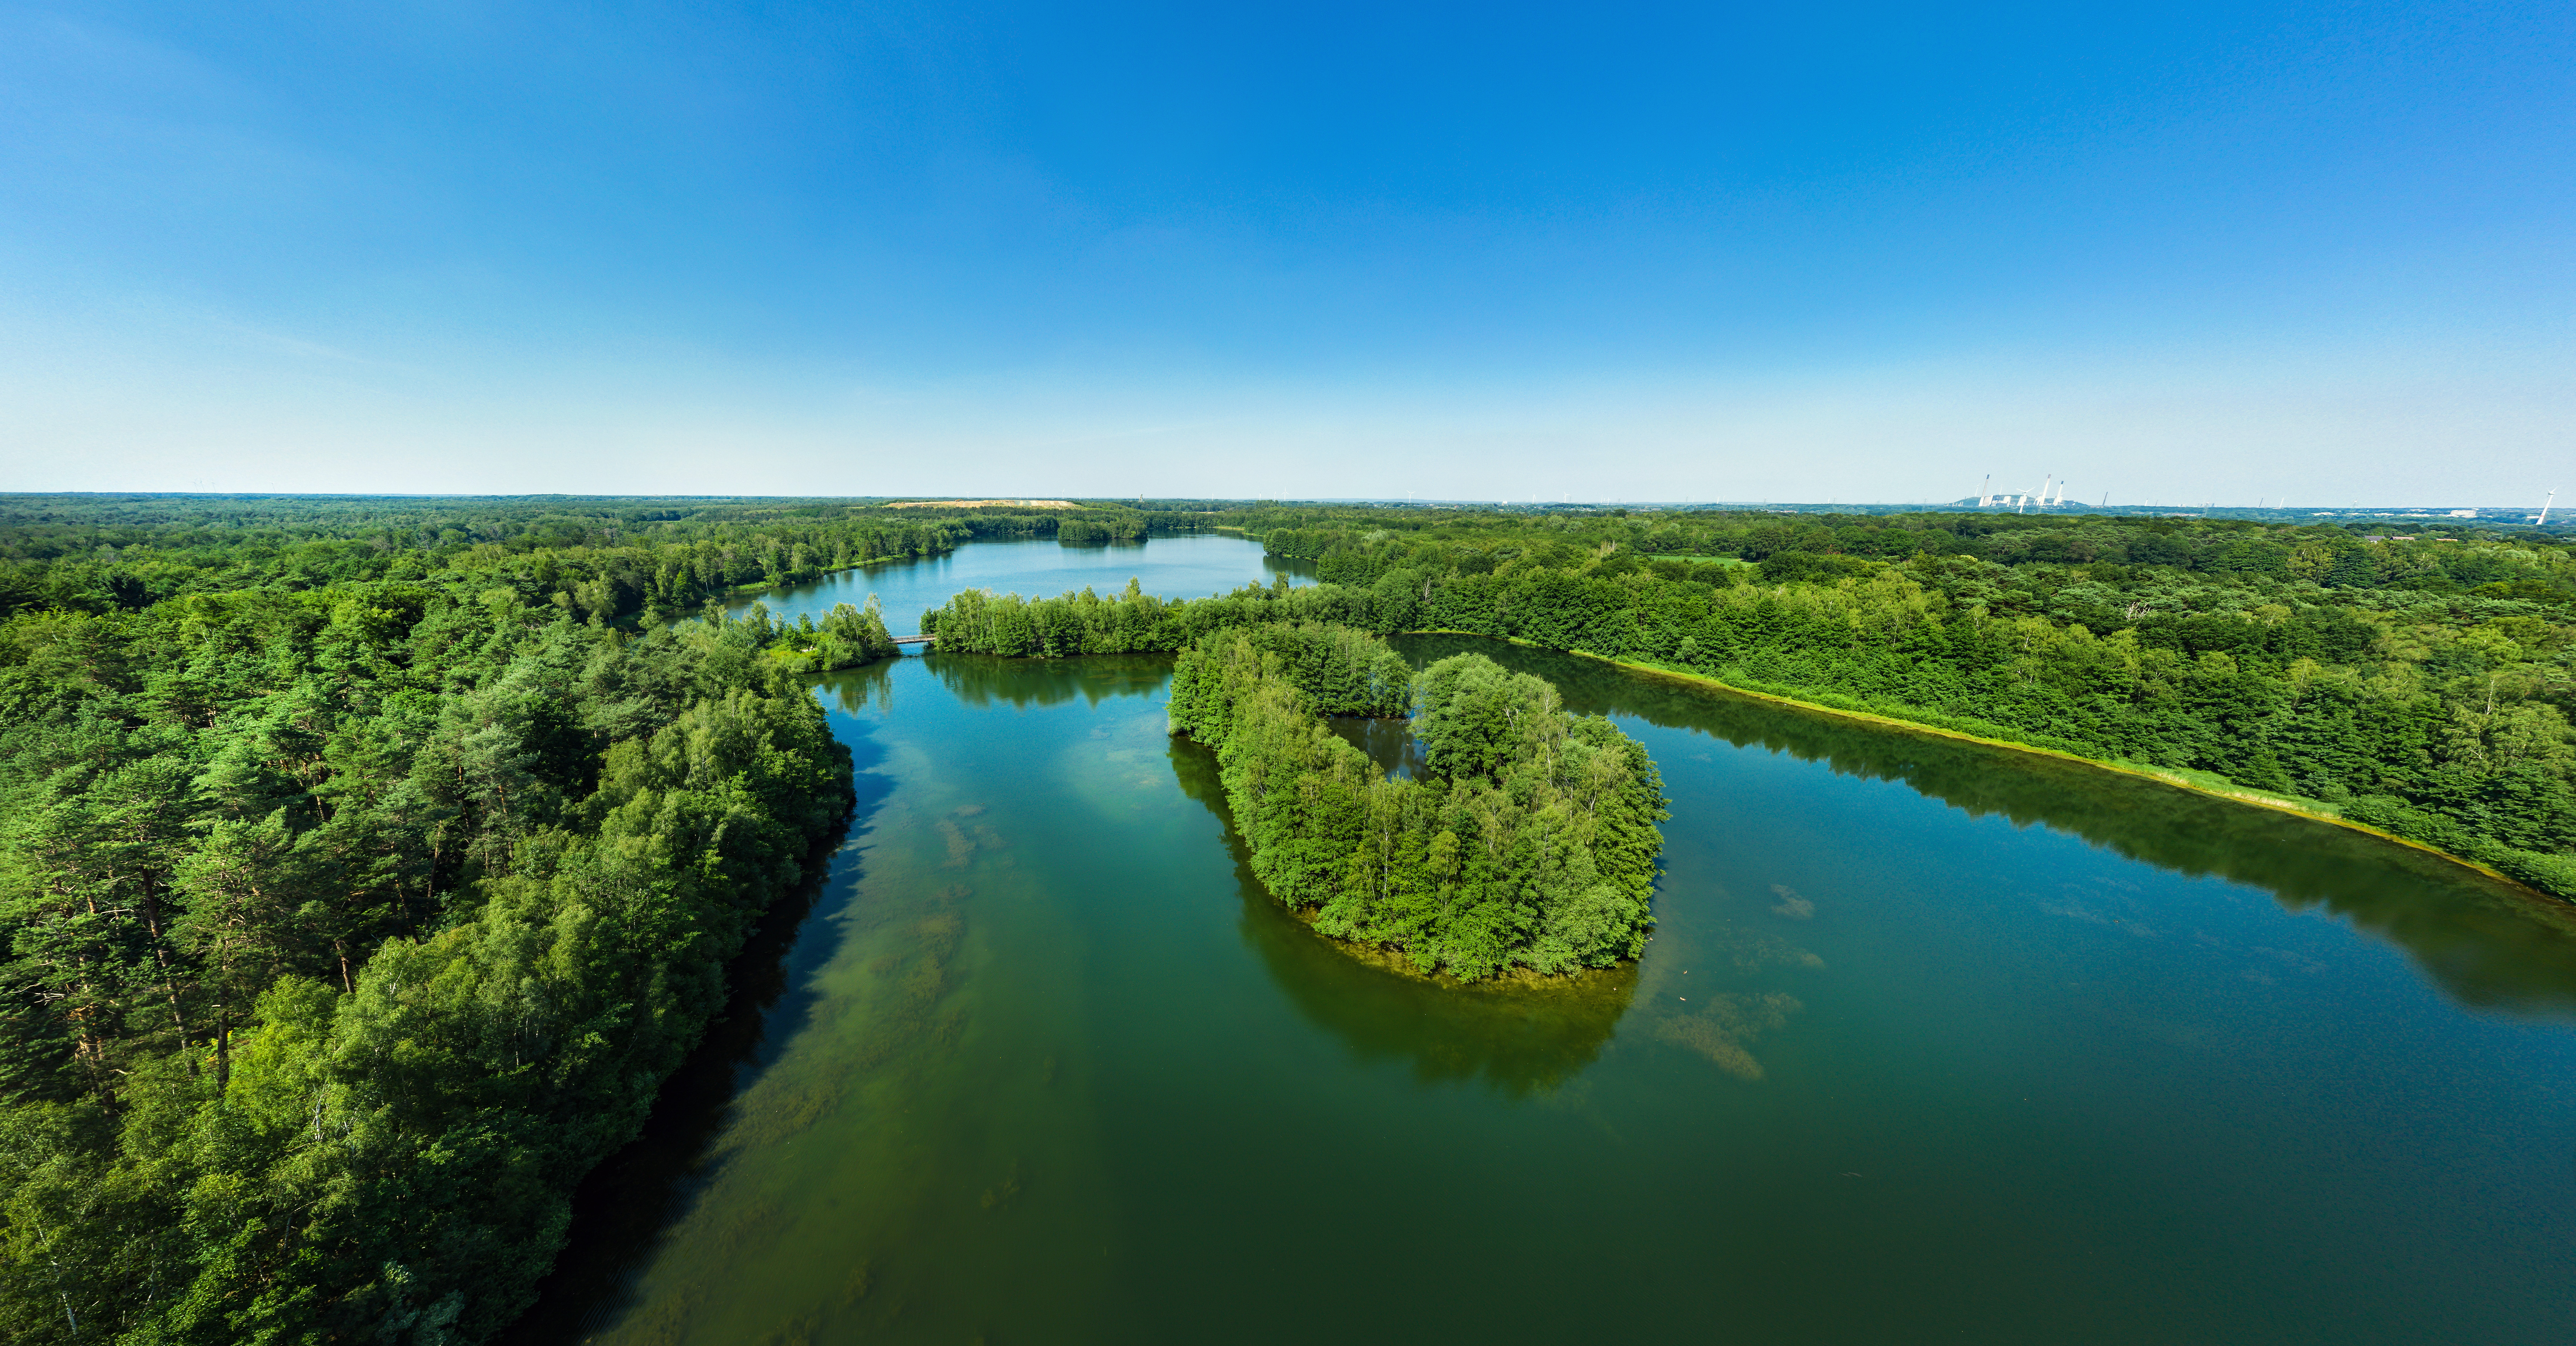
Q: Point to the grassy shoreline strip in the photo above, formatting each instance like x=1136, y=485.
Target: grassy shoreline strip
x=2237, y=795
x=2161, y=777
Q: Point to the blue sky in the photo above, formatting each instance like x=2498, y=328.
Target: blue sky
x=2179, y=253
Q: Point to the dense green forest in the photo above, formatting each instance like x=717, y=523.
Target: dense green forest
x=2435, y=556
x=1529, y=841
x=648, y=560
x=351, y=916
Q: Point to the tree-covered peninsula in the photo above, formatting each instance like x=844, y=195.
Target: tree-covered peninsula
x=1529, y=841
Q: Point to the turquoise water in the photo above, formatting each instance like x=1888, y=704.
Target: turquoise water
x=1934, y=1042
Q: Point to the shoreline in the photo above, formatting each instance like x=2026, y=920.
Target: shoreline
x=1514, y=978
x=759, y=587
x=755, y=588
x=2166, y=777
x=2160, y=777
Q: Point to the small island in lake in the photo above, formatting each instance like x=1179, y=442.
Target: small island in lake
x=1528, y=843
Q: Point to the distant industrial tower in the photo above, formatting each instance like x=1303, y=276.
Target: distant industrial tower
x=2051, y=492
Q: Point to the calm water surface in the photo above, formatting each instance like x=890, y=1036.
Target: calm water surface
x=1934, y=1043
x=1174, y=567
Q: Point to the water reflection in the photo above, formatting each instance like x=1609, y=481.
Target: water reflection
x=980, y=680
x=1034, y=1079
x=1388, y=743
x=2486, y=943
x=1520, y=1038
x=1186, y=566
x=855, y=691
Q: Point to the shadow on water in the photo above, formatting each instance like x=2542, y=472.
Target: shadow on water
x=633, y=1199
x=1519, y=1038
x=2486, y=943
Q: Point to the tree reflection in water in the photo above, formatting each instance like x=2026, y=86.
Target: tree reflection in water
x=1522, y=1037
x=980, y=680
x=2485, y=942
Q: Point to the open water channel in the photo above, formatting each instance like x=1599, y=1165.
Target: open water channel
x=1935, y=1042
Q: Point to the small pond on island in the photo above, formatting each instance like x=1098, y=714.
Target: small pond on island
x=1935, y=1042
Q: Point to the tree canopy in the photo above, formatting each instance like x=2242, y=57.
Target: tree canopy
x=1529, y=843
x=349, y=921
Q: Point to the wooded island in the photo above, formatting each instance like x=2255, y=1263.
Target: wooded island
x=1529, y=843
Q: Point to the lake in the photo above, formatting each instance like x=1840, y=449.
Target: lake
x=1934, y=1042
x=1174, y=567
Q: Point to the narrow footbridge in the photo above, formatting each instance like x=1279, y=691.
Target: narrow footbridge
x=914, y=640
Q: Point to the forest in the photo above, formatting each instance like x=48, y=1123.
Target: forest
x=1528, y=842
x=619, y=560
x=2416, y=683
x=352, y=915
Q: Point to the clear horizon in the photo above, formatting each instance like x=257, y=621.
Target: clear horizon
x=2003, y=502
x=1861, y=254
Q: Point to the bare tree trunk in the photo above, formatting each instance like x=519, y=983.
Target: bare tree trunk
x=161, y=955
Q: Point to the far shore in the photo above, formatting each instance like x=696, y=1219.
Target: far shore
x=2234, y=794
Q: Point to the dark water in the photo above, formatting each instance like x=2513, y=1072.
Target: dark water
x=1935, y=1043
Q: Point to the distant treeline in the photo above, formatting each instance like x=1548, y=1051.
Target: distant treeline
x=616, y=561
x=2457, y=558
x=1530, y=840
